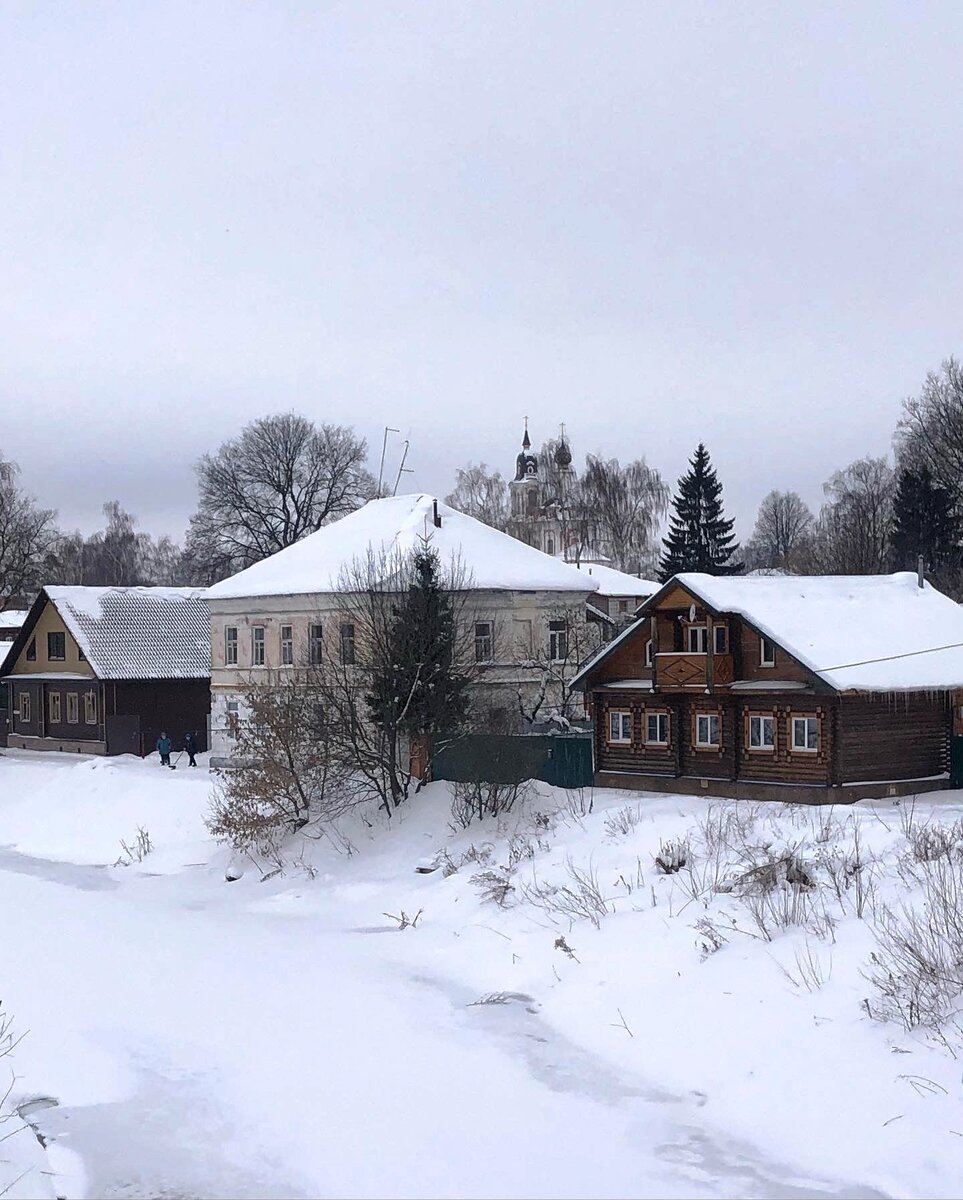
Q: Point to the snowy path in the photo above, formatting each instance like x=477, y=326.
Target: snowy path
x=183, y=1068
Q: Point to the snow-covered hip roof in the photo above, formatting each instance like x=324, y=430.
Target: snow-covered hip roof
x=393, y=527
x=618, y=583
x=138, y=632
x=857, y=632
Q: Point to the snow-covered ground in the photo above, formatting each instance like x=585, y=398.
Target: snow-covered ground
x=285, y=1037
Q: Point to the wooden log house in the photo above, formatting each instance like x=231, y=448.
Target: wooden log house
x=818, y=689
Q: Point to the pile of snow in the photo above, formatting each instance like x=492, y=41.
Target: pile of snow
x=396, y=527
x=837, y=625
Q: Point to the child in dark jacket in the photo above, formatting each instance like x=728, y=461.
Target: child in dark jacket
x=190, y=746
x=164, y=749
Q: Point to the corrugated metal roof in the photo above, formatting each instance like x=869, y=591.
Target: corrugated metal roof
x=138, y=632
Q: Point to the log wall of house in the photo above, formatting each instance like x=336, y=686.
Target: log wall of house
x=899, y=736
x=639, y=756
x=702, y=761
x=747, y=651
x=782, y=764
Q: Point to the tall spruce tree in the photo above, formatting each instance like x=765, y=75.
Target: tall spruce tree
x=924, y=522
x=419, y=688
x=700, y=538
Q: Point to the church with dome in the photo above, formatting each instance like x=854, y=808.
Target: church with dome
x=538, y=496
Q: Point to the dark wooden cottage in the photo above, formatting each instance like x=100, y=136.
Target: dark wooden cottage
x=104, y=670
x=821, y=689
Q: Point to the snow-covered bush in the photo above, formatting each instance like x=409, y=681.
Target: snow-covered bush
x=673, y=855
x=623, y=821
x=476, y=799
x=917, y=967
x=579, y=899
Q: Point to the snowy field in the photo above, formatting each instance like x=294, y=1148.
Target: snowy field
x=562, y=1018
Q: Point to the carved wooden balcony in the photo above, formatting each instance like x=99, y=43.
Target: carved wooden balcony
x=679, y=672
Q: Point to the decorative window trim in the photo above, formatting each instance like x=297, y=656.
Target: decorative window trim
x=765, y=642
x=724, y=630
x=55, y=708
x=73, y=708
x=760, y=716
x=558, y=648
x=23, y=709
x=814, y=717
x=90, y=708
x=649, y=654
x=704, y=639
x=620, y=738
x=700, y=745
x=655, y=713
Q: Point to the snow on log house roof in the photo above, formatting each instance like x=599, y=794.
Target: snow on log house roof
x=866, y=633
x=386, y=529
x=132, y=632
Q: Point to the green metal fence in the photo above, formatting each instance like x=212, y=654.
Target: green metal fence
x=564, y=760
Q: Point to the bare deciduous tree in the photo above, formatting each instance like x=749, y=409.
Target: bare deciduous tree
x=851, y=536
x=27, y=535
x=557, y=657
x=627, y=504
x=482, y=494
x=782, y=528
x=281, y=479
x=930, y=432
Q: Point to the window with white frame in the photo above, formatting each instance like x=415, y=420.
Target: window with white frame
x=767, y=653
x=348, y=648
x=287, y=645
x=90, y=708
x=73, y=708
x=483, y=641
x=696, y=639
x=257, y=645
x=558, y=640
x=720, y=639
x=316, y=644
x=25, y=708
x=54, y=708
x=805, y=733
x=230, y=645
x=648, y=653
x=657, y=728
x=620, y=726
x=762, y=731
x=233, y=710
x=708, y=730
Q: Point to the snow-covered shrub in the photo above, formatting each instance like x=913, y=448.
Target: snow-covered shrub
x=289, y=770
x=578, y=803
x=931, y=840
x=727, y=825
x=673, y=855
x=476, y=799
x=621, y=822
x=917, y=967
x=579, y=899
x=137, y=851
x=495, y=885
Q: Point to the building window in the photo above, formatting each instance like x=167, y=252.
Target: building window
x=348, y=648
x=623, y=606
x=657, y=728
x=708, y=730
x=287, y=646
x=257, y=646
x=80, y=654
x=620, y=727
x=32, y=650
x=24, y=708
x=805, y=733
x=762, y=732
x=315, y=643
x=767, y=653
x=558, y=640
x=648, y=653
x=483, y=641
x=550, y=545
x=233, y=716
x=720, y=639
x=54, y=713
x=230, y=645
x=56, y=647
x=697, y=639
x=73, y=708
x=90, y=708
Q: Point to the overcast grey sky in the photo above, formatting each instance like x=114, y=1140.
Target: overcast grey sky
x=658, y=223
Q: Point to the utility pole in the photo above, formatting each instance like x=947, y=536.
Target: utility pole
x=402, y=468
x=384, y=447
